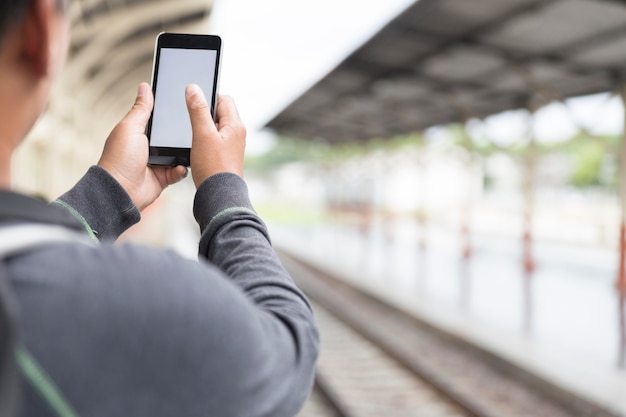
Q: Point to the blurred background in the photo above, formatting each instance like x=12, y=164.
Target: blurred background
x=459, y=156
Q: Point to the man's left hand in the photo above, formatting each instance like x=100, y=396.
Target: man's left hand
x=125, y=155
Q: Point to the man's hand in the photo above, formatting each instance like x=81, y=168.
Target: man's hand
x=125, y=155
x=217, y=147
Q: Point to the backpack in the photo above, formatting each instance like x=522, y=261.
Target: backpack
x=16, y=363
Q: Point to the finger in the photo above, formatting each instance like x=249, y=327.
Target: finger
x=199, y=112
x=227, y=113
x=170, y=175
x=176, y=174
x=139, y=114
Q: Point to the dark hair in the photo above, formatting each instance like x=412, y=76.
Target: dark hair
x=12, y=12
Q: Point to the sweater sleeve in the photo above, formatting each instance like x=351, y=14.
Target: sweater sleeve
x=228, y=335
x=236, y=240
x=100, y=203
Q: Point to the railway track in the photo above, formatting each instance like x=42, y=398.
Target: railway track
x=378, y=361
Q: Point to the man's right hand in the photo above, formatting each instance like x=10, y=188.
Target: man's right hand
x=217, y=146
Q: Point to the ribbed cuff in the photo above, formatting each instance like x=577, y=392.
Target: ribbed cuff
x=101, y=204
x=219, y=194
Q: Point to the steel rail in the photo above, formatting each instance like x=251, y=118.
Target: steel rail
x=334, y=295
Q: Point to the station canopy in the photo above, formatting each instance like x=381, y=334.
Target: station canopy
x=444, y=61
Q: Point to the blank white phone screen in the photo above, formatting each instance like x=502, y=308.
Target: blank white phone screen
x=178, y=68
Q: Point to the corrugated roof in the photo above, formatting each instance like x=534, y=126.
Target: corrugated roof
x=443, y=61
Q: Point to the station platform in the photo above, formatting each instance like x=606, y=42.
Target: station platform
x=572, y=337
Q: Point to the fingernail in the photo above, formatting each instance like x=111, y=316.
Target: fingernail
x=141, y=91
x=192, y=89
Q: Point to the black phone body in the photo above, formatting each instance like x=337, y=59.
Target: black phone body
x=180, y=60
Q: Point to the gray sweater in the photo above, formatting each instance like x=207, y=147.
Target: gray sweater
x=126, y=330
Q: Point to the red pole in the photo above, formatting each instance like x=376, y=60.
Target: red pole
x=621, y=275
x=621, y=290
x=622, y=324
x=466, y=213
x=466, y=238
x=422, y=209
x=621, y=294
x=528, y=262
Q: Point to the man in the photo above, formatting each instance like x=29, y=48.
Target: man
x=123, y=330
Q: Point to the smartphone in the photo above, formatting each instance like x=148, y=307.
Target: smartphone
x=180, y=60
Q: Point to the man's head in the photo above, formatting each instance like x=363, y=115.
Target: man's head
x=13, y=11
x=34, y=38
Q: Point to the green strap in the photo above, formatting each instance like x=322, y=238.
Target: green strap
x=42, y=383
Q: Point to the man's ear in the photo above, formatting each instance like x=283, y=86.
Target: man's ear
x=37, y=34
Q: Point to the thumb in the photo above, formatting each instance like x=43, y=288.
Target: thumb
x=139, y=114
x=199, y=112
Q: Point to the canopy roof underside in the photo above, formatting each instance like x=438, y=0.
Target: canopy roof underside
x=443, y=61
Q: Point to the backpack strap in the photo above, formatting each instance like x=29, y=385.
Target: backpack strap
x=9, y=387
x=22, y=238
x=14, y=240
x=43, y=384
